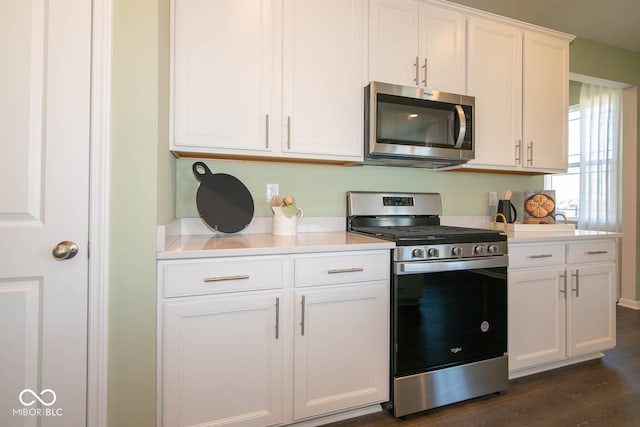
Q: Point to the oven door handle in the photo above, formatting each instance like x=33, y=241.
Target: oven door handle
x=450, y=265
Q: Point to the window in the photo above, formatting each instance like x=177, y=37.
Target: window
x=589, y=193
x=567, y=185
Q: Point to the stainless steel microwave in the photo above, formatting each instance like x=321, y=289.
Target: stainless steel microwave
x=412, y=126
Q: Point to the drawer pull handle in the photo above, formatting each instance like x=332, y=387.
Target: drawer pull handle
x=345, y=270
x=223, y=278
x=596, y=252
x=577, y=289
x=267, y=133
x=541, y=256
x=302, y=310
x=288, y=132
x=277, y=318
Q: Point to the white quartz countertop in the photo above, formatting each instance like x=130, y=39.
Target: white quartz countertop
x=190, y=239
x=208, y=246
x=555, y=236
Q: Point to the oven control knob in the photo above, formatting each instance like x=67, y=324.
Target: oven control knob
x=432, y=252
x=417, y=253
x=456, y=251
x=479, y=250
x=493, y=249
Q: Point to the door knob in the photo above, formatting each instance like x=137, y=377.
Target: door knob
x=65, y=250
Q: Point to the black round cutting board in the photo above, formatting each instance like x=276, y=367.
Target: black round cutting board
x=222, y=200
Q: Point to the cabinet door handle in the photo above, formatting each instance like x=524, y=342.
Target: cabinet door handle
x=288, y=132
x=267, y=133
x=223, y=278
x=425, y=72
x=564, y=287
x=518, y=145
x=541, y=256
x=277, y=317
x=530, y=154
x=577, y=289
x=596, y=252
x=345, y=270
x=417, y=79
x=302, y=315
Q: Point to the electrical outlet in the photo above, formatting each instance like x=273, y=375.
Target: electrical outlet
x=493, y=198
x=272, y=190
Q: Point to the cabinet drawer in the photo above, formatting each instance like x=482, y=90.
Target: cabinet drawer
x=594, y=251
x=341, y=268
x=536, y=255
x=222, y=275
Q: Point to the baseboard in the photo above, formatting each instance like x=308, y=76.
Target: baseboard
x=629, y=303
x=553, y=365
x=339, y=416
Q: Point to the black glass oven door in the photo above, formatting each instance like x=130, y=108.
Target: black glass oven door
x=448, y=318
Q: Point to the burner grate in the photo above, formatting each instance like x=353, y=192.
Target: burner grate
x=424, y=232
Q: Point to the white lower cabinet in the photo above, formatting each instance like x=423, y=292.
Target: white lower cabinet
x=562, y=299
x=536, y=317
x=591, y=315
x=270, y=340
x=222, y=361
x=341, y=348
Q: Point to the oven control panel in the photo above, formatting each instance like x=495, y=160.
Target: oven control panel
x=397, y=201
x=450, y=251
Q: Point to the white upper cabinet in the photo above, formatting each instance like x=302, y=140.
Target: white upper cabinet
x=393, y=41
x=284, y=79
x=520, y=79
x=442, y=49
x=546, y=102
x=225, y=75
x=417, y=44
x=324, y=76
x=268, y=78
x=494, y=77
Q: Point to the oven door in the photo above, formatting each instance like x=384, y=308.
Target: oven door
x=448, y=313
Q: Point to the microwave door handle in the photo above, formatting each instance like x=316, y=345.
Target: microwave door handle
x=463, y=126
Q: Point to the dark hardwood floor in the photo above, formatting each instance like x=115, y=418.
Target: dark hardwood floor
x=602, y=392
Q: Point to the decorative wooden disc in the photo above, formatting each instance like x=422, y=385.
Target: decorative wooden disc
x=539, y=206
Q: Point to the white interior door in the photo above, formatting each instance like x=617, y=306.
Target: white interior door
x=44, y=152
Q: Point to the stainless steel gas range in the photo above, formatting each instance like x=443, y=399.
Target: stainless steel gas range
x=448, y=300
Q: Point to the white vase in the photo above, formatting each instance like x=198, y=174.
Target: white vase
x=284, y=226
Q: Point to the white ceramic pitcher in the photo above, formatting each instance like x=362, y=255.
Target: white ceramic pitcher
x=283, y=225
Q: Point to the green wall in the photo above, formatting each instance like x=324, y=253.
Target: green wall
x=141, y=197
x=320, y=190
x=143, y=193
x=606, y=62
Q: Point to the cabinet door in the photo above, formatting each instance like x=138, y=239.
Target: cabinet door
x=324, y=77
x=225, y=64
x=494, y=77
x=341, y=348
x=442, y=49
x=536, y=317
x=393, y=42
x=591, y=316
x=546, y=102
x=222, y=361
